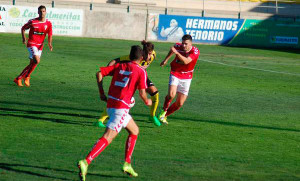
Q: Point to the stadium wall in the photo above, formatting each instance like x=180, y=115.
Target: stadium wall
x=119, y=24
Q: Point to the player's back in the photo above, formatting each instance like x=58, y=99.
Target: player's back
x=127, y=77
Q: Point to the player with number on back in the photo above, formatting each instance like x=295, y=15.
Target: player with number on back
x=182, y=68
x=127, y=77
x=149, y=57
x=39, y=27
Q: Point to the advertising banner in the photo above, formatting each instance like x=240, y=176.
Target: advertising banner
x=64, y=21
x=268, y=33
x=2, y=18
x=202, y=29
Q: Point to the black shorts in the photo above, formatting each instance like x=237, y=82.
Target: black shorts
x=149, y=83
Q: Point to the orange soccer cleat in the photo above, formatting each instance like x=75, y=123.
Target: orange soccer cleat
x=18, y=82
x=27, y=81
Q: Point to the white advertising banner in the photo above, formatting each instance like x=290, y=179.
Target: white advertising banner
x=2, y=18
x=64, y=21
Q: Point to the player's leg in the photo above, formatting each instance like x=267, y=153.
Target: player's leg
x=182, y=93
x=133, y=131
x=18, y=79
x=153, y=92
x=102, y=118
x=33, y=64
x=119, y=118
x=173, y=84
x=181, y=98
x=98, y=147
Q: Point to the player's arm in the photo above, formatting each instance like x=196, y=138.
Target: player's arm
x=165, y=61
x=99, y=78
x=114, y=61
x=50, y=38
x=183, y=59
x=23, y=29
x=143, y=95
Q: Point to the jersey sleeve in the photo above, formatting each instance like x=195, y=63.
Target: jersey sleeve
x=50, y=29
x=27, y=25
x=142, y=84
x=105, y=71
x=194, y=56
x=177, y=46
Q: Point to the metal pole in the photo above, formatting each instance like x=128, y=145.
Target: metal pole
x=91, y=6
x=276, y=6
x=53, y=3
x=147, y=21
x=14, y=2
x=239, y=16
x=166, y=10
x=203, y=10
x=128, y=7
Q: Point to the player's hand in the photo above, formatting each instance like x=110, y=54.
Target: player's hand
x=50, y=47
x=24, y=41
x=149, y=102
x=163, y=63
x=103, y=97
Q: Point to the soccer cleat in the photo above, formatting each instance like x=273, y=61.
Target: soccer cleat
x=162, y=115
x=154, y=120
x=102, y=118
x=18, y=82
x=127, y=168
x=83, y=167
x=99, y=124
x=164, y=121
x=27, y=81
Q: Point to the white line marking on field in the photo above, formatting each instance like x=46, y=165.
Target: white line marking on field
x=278, y=72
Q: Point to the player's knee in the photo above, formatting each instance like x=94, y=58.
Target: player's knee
x=36, y=60
x=153, y=93
x=135, y=131
x=171, y=95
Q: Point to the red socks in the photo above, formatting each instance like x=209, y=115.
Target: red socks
x=27, y=71
x=167, y=103
x=130, y=143
x=174, y=107
x=31, y=69
x=97, y=149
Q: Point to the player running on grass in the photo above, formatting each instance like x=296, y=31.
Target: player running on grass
x=39, y=27
x=127, y=77
x=149, y=56
x=182, y=68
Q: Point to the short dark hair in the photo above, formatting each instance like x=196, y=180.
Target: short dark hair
x=187, y=37
x=42, y=7
x=136, y=52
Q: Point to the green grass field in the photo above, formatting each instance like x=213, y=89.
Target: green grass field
x=240, y=122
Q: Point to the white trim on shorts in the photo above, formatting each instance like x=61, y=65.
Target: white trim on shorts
x=34, y=51
x=118, y=118
x=183, y=85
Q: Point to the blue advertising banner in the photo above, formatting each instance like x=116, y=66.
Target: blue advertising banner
x=202, y=29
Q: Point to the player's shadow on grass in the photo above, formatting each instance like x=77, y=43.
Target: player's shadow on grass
x=11, y=167
x=48, y=106
x=48, y=112
x=237, y=124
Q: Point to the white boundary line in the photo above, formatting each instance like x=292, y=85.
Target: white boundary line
x=250, y=68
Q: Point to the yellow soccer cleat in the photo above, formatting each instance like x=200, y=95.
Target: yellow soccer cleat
x=83, y=167
x=127, y=168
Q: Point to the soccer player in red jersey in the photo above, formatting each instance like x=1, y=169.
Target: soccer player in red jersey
x=182, y=68
x=39, y=27
x=126, y=78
